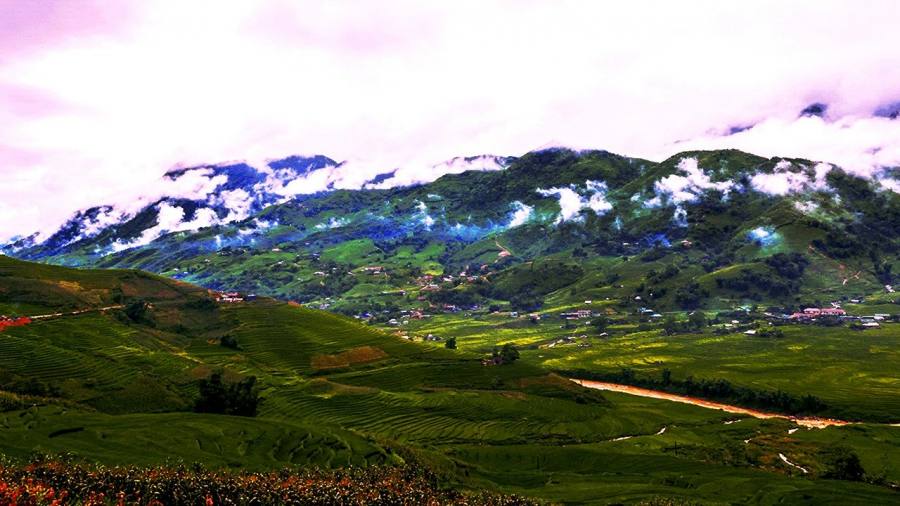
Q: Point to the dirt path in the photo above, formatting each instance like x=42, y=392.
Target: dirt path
x=810, y=422
x=72, y=313
x=503, y=251
x=788, y=462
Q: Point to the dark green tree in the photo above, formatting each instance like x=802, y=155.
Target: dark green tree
x=697, y=320
x=842, y=463
x=213, y=395
x=229, y=341
x=670, y=325
x=137, y=311
x=506, y=354
x=240, y=398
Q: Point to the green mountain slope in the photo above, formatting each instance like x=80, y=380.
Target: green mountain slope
x=714, y=216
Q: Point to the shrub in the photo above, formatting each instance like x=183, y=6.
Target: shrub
x=842, y=463
x=229, y=341
x=240, y=398
x=507, y=354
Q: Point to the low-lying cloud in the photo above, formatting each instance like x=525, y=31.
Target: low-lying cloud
x=687, y=185
x=395, y=86
x=572, y=203
x=787, y=179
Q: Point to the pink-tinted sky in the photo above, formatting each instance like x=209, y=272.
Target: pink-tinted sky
x=98, y=98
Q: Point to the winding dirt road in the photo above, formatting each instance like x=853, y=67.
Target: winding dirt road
x=80, y=311
x=810, y=422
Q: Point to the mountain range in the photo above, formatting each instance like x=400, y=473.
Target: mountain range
x=700, y=229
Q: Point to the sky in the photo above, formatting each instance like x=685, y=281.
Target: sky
x=98, y=99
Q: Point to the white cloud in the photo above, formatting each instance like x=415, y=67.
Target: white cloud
x=237, y=201
x=104, y=218
x=857, y=142
x=687, y=184
x=334, y=222
x=891, y=184
x=169, y=219
x=571, y=202
x=422, y=215
x=806, y=207
x=787, y=179
x=414, y=174
x=400, y=84
x=520, y=215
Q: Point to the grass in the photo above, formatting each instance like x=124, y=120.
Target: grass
x=214, y=440
x=336, y=392
x=851, y=371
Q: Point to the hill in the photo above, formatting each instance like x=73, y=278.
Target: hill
x=119, y=386
x=701, y=229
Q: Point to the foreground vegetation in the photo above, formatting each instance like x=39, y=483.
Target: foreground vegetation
x=60, y=483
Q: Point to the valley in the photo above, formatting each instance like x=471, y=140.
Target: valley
x=446, y=327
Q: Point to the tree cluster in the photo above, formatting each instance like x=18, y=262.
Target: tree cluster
x=240, y=398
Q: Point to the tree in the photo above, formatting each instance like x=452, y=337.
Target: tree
x=666, y=376
x=137, y=311
x=450, y=344
x=241, y=398
x=697, y=320
x=842, y=463
x=600, y=323
x=507, y=354
x=228, y=341
x=670, y=325
x=212, y=395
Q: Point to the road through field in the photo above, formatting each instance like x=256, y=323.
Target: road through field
x=70, y=313
x=812, y=422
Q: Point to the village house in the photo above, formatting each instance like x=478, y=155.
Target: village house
x=229, y=297
x=577, y=314
x=814, y=312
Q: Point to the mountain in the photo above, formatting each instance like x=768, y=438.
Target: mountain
x=716, y=229
x=193, y=198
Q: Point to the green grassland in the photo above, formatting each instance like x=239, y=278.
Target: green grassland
x=336, y=392
x=854, y=372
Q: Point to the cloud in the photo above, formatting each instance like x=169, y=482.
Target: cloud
x=687, y=184
x=410, y=175
x=571, y=203
x=764, y=236
x=520, y=215
x=169, y=219
x=787, y=179
x=238, y=202
x=422, y=215
x=333, y=222
x=98, y=98
x=106, y=216
x=860, y=143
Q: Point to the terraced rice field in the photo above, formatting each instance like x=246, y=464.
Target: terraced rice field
x=512, y=428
